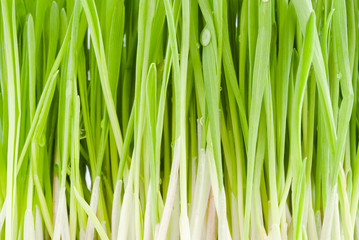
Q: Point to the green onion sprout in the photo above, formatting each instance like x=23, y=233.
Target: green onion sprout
x=179, y=119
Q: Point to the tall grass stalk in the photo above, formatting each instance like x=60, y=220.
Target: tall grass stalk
x=168, y=119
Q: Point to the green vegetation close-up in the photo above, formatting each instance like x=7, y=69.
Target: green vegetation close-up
x=179, y=119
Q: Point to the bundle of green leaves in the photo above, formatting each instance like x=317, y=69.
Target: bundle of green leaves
x=179, y=119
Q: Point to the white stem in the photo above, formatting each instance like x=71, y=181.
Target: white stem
x=82, y=234
x=219, y=197
x=174, y=231
x=224, y=233
x=200, y=198
x=29, y=229
x=132, y=227
x=235, y=218
x=93, y=204
x=328, y=214
x=116, y=209
x=356, y=229
x=148, y=225
x=92, y=216
x=211, y=219
x=38, y=224
x=184, y=227
x=336, y=233
x=166, y=215
x=61, y=225
x=126, y=204
x=318, y=222
x=274, y=233
x=283, y=227
x=311, y=225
